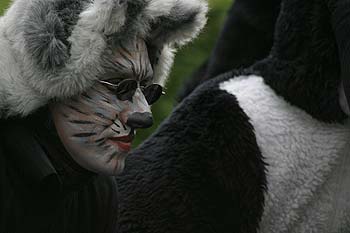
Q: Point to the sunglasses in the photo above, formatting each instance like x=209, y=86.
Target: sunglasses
x=126, y=89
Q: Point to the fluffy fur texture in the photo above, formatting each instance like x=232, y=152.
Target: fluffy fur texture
x=307, y=162
x=195, y=175
x=291, y=99
x=54, y=48
x=304, y=66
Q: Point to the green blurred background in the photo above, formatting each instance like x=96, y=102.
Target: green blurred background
x=187, y=60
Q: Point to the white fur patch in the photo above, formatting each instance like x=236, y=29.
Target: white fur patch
x=308, y=162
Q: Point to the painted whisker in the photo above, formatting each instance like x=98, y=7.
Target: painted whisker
x=100, y=140
x=111, y=156
x=81, y=122
x=76, y=109
x=84, y=135
x=103, y=95
x=102, y=116
x=101, y=143
x=118, y=132
x=85, y=95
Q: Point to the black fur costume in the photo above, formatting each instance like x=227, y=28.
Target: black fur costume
x=163, y=188
x=207, y=168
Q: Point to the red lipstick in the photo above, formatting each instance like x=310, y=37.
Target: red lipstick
x=123, y=143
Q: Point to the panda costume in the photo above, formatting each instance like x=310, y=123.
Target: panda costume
x=264, y=149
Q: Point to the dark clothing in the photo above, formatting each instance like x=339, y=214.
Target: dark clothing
x=43, y=190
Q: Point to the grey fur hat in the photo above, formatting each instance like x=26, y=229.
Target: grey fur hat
x=53, y=49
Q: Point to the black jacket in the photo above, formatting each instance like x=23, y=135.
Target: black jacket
x=43, y=191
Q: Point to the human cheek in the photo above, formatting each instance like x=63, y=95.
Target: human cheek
x=90, y=114
x=104, y=107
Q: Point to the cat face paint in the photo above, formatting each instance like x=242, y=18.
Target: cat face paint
x=97, y=127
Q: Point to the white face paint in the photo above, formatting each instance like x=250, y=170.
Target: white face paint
x=95, y=127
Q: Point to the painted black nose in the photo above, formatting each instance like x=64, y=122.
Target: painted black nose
x=140, y=120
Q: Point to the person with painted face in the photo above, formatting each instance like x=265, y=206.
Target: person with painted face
x=97, y=127
x=77, y=80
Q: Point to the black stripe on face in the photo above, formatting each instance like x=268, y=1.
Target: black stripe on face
x=125, y=50
x=126, y=55
x=118, y=132
x=106, y=147
x=107, y=101
x=100, y=142
x=100, y=115
x=85, y=95
x=79, y=122
x=120, y=64
x=76, y=109
x=65, y=115
x=84, y=135
x=111, y=157
x=103, y=94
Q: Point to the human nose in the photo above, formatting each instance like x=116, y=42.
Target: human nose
x=140, y=115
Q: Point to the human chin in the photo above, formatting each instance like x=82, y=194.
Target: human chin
x=92, y=128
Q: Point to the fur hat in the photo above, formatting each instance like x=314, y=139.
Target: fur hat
x=53, y=49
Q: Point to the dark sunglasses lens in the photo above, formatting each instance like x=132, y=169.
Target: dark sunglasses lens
x=126, y=89
x=153, y=93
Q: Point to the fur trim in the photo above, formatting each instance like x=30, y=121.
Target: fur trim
x=55, y=47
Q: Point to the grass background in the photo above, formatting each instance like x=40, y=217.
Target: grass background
x=187, y=60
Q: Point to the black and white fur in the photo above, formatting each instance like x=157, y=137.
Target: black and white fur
x=195, y=175
x=265, y=149
x=54, y=49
